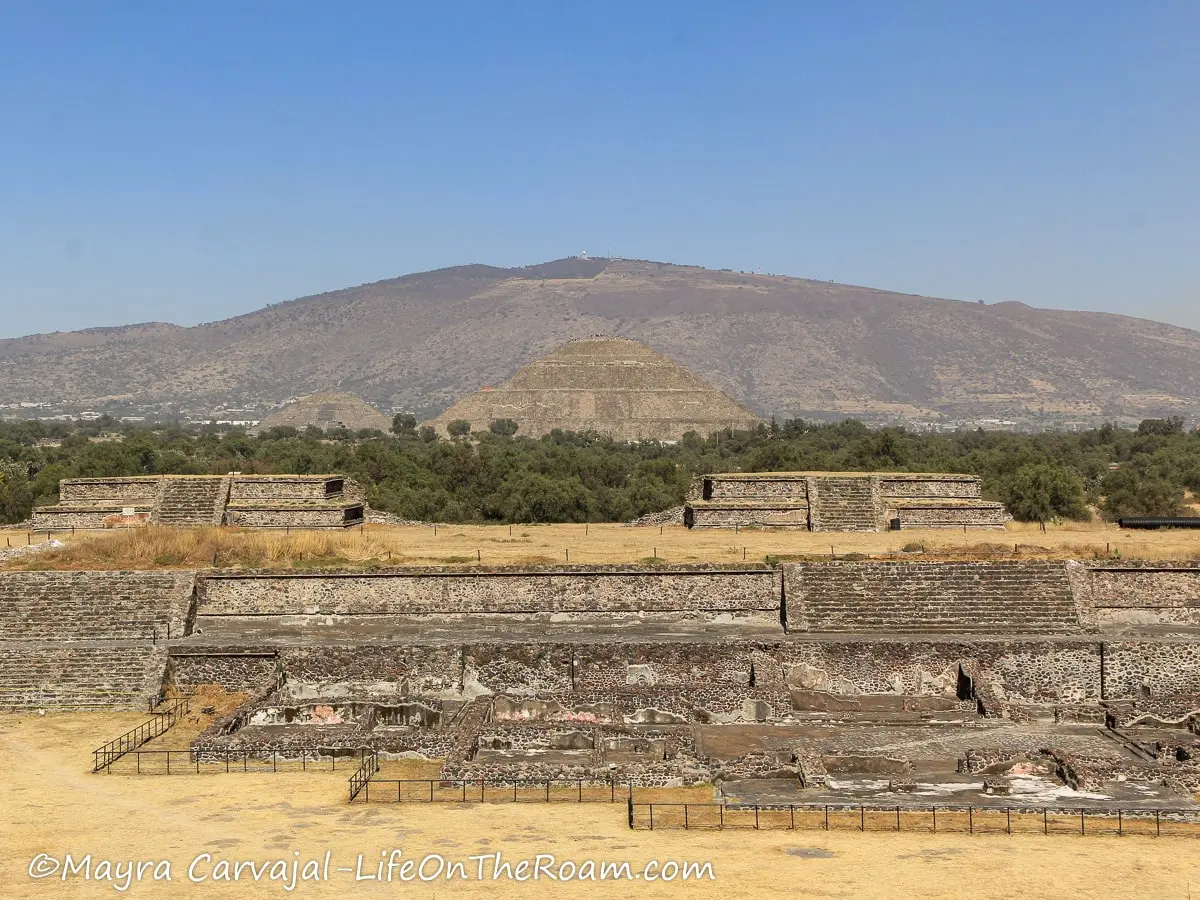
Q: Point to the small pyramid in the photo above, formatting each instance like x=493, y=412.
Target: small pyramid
x=328, y=411
x=613, y=386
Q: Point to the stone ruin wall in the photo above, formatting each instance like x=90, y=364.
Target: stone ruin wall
x=717, y=488
x=234, y=670
x=279, y=487
x=1151, y=668
x=126, y=491
x=1033, y=671
x=715, y=676
x=719, y=674
x=807, y=499
x=767, y=514
x=1132, y=594
x=949, y=517
x=964, y=487
x=797, y=487
x=277, y=517
x=260, y=501
x=69, y=605
x=48, y=675
x=65, y=518
x=565, y=589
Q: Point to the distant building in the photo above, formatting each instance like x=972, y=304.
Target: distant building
x=616, y=387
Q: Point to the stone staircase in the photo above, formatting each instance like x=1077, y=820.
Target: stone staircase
x=89, y=606
x=191, y=500
x=845, y=504
x=88, y=639
x=79, y=677
x=956, y=598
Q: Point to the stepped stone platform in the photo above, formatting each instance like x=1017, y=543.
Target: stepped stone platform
x=109, y=675
x=929, y=598
x=248, y=501
x=325, y=411
x=843, y=501
x=89, y=639
x=616, y=387
x=799, y=680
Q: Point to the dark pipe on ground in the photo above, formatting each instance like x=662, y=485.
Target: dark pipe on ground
x=1160, y=522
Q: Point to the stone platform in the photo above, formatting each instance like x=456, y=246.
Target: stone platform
x=843, y=501
x=248, y=501
x=830, y=676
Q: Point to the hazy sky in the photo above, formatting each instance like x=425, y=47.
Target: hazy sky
x=190, y=161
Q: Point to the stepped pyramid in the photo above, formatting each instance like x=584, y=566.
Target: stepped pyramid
x=328, y=411
x=614, y=386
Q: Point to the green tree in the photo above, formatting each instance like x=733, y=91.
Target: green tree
x=458, y=428
x=1127, y=492
x=404, y=424
x=1039, y=492
x=503, y=427
x=16, y=496
x=1167, y=427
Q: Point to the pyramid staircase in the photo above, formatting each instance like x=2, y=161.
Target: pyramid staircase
x=191, y=500
x=1003, y=597
x=845, y=504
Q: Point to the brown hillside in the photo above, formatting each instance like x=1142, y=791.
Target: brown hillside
x=780, y=345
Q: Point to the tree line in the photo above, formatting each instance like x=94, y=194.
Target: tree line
x=498, y=475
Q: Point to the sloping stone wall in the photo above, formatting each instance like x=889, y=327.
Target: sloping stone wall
x=251, y=501
x=93, y=605
x=967, y=487
x=122, y=491
x=1006, y=597
x=403, y=592
x=1145, y=594
x=285, y=487
x=112, y=676
x=843, y=501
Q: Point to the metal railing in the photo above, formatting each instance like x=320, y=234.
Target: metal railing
x=483, y=790
x=360, y=779
x=933, y=818
x=216, y=760
x=105, y=755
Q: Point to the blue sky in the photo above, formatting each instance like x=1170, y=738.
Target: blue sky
x=187, y=162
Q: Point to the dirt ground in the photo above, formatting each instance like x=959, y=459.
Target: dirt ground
x=492, y=545
x=51, y=803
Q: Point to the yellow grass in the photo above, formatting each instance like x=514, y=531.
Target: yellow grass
x=50, y=803
x=494, y=545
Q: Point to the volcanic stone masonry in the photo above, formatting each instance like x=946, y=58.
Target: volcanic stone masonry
x=615, y=387
x=248, y=501
x=843, y=501
x=655, y=675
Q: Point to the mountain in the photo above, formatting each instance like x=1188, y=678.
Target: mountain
x=613, y=386
x=782, y=346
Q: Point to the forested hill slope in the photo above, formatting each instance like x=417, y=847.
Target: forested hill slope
x=783, y=346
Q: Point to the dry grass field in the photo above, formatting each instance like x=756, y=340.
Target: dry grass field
x=493, y=545
x=51, y=803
